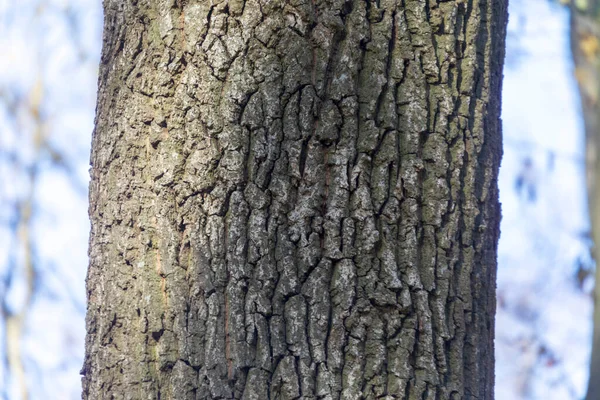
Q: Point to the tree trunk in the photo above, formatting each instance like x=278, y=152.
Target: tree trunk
x=585, y=46
x=295, y=200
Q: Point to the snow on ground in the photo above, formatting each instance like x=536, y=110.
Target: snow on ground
x=543, y=324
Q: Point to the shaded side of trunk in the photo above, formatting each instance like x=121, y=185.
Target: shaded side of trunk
x=295, y=199
x=585, y=46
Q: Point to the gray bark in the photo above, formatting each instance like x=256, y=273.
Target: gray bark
x=295, y=200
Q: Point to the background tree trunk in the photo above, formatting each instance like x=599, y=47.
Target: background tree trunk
x=585, y=45
x=295, y=199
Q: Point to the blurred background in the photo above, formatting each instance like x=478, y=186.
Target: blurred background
x=49, y=53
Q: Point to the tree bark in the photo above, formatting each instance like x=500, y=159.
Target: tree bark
x=585, y=46
x=295, y=200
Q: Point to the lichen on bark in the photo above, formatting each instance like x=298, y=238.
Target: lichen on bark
x=295, y=200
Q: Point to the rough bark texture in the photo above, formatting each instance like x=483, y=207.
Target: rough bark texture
x=585, y=46
x=295, y=200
